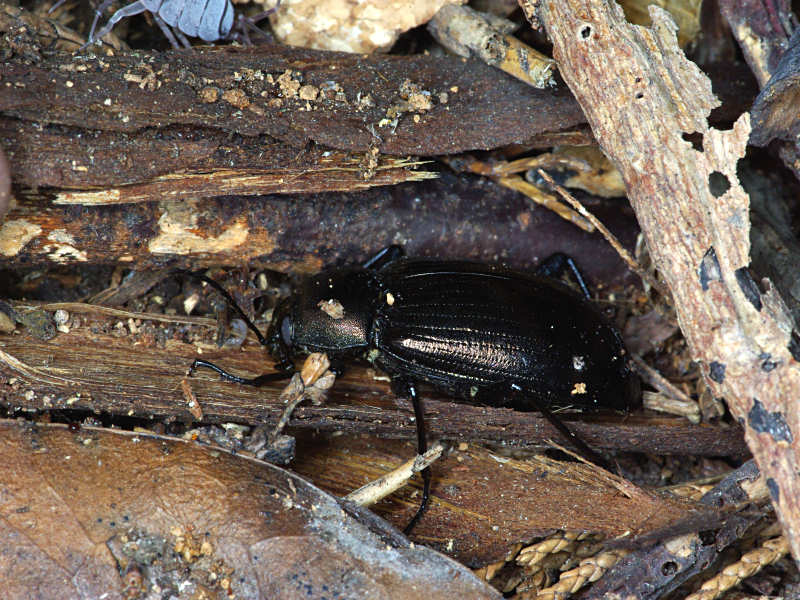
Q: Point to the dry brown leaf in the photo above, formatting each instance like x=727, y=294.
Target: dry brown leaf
x=85, y=514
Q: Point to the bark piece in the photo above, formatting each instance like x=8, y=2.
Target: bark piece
x=361, y=102
x=762, y=30
x=82, y=509
x=652, y=572
x=458, y=217
x=181, y=162
x=690, y=205
x=483, y=502
x=101, y=366
x=775, y=112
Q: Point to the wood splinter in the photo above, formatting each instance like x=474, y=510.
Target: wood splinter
x=377, y=490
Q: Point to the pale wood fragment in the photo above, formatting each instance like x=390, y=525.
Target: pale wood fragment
x=641, y=96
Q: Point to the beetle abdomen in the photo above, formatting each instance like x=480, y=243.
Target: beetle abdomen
x=467, y=327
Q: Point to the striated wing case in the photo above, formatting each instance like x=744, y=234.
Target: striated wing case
x=472, y=329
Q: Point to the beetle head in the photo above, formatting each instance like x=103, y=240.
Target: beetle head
x=331, y=312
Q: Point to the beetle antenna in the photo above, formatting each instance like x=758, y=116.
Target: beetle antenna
x=384, y=257
x=555, y=265
x=229, y=299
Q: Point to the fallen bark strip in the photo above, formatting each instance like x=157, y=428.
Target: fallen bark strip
x=641, y=96
x=454, y=216
x=102, y=513
x=763, y=32
x=483, y=503
x=183, y=163
x=655, y=571
x=83, y=122
x=102, y=367
x=342, y=101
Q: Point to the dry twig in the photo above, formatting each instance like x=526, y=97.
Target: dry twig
x=377, y=490
x=649, y=99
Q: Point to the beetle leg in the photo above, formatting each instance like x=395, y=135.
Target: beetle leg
x=582, y=447
x=384, y=257
x=284, y=372
x=556, y=264
x=408, y=390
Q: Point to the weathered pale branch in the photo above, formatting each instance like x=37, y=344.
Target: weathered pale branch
x=641, y=96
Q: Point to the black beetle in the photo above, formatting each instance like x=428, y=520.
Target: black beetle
x=482, y=334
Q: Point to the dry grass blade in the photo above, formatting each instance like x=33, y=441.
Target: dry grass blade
x=610, y=237
x=546, y=200
x=377, y=490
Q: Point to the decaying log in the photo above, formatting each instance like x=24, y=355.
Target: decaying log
x=454, y=216
x=134, y=366
x=641, y=97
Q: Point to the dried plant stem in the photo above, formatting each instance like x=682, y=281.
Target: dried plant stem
x=544, y=199
x=469, y=33
x=313, y=379
x=751, y=563
x=565, y=541
x=682, y=403
x=610, y=237
x=589, y=570
x=377, y=490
